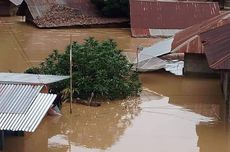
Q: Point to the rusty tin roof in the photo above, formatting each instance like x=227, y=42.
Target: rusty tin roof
x=216, y=47
x=189, y=41
x=149, y=14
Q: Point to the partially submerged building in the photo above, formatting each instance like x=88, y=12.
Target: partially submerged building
x=24, y=101
x=62, y=13
x=206, y=47
x=189, y=41
x=217, y=49
x=9, y=7
x=165, y=18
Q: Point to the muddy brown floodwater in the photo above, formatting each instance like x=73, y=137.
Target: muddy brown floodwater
x=172, y=114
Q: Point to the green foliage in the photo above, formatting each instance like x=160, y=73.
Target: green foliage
x=113, y=8
x=98, y=67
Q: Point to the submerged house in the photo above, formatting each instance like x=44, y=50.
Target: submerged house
x=63, y=13
x=206, y=47
x=9, y=7
x=24, y=101
x=165, y=18
x=217, y=49
x=190, y=42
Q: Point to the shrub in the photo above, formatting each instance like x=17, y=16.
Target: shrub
x=98, y=67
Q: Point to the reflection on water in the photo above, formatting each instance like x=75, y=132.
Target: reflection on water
x=188, y=118
x=147, y=123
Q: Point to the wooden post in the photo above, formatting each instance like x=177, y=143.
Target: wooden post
x=226, y=86
x=1, y=140
x=71, y=75
x=226, y=89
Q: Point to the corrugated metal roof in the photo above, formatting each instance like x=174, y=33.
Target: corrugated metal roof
x=152, y=64
x=158, y=49
x=16, y=2
x=17, y=98
x=170, y=14
x=189, y=41
x=24, y=78
x=30, y=119
x=146, y=14
x=216, y=47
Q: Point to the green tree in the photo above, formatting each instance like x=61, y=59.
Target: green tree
x=98, y=68
x=113, y=8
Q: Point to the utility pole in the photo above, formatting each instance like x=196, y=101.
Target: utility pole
x=71, y=73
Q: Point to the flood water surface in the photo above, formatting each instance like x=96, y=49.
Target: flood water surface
x=181, y=121
x=26, y=45
x=172, y=114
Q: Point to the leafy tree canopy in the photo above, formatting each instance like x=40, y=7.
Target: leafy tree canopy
x=98, y=67
x=113, y=8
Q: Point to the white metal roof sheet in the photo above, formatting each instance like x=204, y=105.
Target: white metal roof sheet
x=158, y=49
x=16, y=2
x=24, y=78
x=17, y=98
x=29, y=119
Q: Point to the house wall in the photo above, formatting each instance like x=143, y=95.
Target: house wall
x=4, y=7
x=196, y=64
x=225, y=85
x=7, y=8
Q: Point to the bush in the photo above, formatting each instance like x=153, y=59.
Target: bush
x=113, y=8
x=98, y=67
